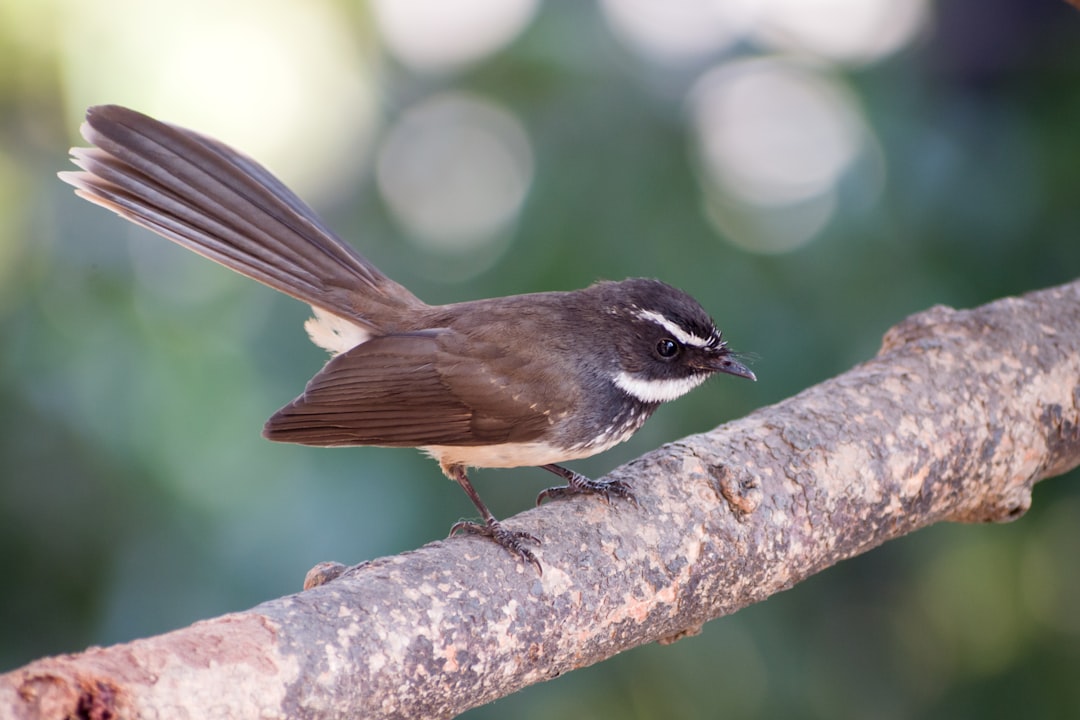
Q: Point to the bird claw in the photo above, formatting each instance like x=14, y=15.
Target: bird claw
x=578, y=484
x=513, y=540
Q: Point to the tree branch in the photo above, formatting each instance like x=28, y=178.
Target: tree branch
x=955, y=419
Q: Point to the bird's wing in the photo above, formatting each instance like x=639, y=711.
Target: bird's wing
x=433, y=387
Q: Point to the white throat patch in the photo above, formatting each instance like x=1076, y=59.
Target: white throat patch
x=657, y=391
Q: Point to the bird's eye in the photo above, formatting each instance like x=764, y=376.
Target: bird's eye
x=667, y=348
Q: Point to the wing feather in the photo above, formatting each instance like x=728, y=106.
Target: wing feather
x=410, y=390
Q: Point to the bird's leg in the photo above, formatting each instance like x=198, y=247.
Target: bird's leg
x=578, y=484
x=512, y=540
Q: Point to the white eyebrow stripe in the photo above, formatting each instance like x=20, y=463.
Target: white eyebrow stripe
x=657, y=391
x=677, y=332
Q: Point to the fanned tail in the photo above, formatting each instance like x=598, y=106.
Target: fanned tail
x=209, y=198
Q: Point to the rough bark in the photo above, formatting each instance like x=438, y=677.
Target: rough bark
x=954, y=420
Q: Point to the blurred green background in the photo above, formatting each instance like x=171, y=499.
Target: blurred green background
x=811, y=170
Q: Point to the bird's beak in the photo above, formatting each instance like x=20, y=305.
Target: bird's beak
x=726, y=364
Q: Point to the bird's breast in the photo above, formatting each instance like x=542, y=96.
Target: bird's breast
x=505, y=455
x=590, y=436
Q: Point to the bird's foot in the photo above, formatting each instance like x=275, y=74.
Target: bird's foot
x=513, y=540
x=578, y=484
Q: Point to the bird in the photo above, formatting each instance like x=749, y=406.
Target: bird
x=536, y=379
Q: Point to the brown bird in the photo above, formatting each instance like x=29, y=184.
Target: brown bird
x=534, y=379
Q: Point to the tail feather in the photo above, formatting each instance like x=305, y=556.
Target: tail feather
x=211, y=199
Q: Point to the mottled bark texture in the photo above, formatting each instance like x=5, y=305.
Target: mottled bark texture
x=955, y=419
